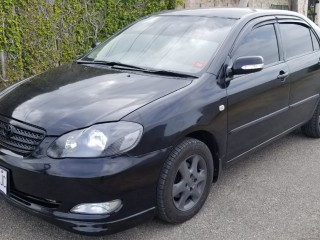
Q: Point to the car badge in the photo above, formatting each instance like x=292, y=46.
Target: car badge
x=8, y=130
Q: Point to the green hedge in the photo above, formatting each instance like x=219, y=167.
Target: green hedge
x=41, y=34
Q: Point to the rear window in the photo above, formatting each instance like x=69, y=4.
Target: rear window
x=315, y=42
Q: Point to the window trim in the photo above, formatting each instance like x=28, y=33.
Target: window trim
x=297, y=22
x=246, y=33
x=247, y=29
x=316, y=37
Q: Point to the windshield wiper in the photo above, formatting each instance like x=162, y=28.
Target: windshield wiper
x=112, y=64
x=170, y=73
x=119, y=65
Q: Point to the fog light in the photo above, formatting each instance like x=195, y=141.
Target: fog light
x=97, y=208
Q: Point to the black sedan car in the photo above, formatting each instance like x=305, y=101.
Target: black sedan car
x=142, y=125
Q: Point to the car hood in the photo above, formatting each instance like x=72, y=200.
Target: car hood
x=74, y=96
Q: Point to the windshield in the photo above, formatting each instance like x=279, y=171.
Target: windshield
x=172, y=43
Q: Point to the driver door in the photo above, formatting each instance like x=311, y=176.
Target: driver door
x=257, y=102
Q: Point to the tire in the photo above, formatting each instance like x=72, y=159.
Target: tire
x=185, y=181
x=312, y=128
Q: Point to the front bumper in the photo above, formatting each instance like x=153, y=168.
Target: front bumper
x=49, y=188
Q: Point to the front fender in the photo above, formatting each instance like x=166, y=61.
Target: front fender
x=193, y=108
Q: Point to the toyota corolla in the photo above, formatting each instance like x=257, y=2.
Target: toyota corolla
x=142, y=125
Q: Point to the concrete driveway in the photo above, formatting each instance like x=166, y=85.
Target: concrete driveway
x=273, y=194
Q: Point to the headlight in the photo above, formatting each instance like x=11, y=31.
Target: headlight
x=100, y=140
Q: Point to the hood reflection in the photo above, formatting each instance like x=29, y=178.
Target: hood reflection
x=75, y=96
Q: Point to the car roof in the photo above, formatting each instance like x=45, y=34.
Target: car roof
x=235, y=13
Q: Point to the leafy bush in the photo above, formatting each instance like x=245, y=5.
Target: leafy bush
x=41, y=34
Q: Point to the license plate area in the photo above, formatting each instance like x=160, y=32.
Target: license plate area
x=3, y=181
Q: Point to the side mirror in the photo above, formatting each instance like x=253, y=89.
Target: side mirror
x=95, y=44
x=245, y=65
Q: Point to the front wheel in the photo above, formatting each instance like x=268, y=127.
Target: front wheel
x=185, y=181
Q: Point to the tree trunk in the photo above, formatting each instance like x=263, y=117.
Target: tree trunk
x=243, y=3
x=3, y=65
x=294, y=5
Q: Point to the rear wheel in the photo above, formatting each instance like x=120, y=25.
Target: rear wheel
x=312, y=128
x=185, y=181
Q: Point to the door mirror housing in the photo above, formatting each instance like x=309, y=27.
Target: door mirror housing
x=245, y=65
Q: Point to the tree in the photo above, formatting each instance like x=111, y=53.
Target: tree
x=243, y=3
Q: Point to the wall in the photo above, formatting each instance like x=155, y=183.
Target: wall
x=302, y=4
x=233, y=3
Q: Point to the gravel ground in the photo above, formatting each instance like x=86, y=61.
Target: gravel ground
x=273, y=194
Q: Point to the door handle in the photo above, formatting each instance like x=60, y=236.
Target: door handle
x=283, y=75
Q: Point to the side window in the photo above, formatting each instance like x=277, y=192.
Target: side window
x=296, y=39
x=315, y=42
x=261, y=41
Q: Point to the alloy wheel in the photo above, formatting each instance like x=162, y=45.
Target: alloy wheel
x=189, y=183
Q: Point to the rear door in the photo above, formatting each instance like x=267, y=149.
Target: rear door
x=301, y=50
x=257, y=102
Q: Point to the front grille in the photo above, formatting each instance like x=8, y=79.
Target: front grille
x=20, y=138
